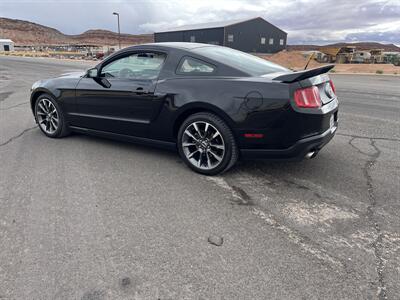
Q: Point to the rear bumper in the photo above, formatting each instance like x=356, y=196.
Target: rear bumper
x=296, y=152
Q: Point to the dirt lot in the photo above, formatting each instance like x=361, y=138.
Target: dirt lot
x=296, y=61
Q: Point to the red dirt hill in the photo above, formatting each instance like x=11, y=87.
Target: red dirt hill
x=29, y=33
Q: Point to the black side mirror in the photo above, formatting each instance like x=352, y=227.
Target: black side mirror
x=92, y=73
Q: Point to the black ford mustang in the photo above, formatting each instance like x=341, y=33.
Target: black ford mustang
x=214, y=104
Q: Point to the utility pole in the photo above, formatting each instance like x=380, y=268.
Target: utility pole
x=119, y=31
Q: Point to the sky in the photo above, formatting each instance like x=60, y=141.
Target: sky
x=306, y=21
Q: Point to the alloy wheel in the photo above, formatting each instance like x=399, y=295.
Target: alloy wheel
x=203, y=145
x=47, y=116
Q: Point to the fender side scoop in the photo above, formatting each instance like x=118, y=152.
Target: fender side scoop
x=301, y=75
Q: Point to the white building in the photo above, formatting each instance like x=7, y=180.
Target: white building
x=6, y=45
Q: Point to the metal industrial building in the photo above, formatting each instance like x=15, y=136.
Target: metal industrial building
x=6, y=45
x=250, y=35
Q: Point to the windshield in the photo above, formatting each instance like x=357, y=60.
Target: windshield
x=248, y=63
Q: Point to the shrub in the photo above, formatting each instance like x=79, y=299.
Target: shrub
x=379, y=72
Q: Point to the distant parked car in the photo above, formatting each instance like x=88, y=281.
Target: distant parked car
x=213, y=104
x=99, y=55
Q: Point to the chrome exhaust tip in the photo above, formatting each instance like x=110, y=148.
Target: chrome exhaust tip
x=311, y=154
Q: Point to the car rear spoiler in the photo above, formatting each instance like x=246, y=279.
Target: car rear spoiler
x=301, y=75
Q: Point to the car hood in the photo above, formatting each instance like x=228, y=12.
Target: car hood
x=67, y=78
x=72, y=74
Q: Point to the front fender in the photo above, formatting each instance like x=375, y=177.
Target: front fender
x=62, y=90
x=36, y=92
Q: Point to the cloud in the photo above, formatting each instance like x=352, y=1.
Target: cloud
x=386, y=37
x=305, y=20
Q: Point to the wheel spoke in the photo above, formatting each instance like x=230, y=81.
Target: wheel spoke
x=187, y=144
x=42, y=107
x=197, y=129
x=206, y=129
x=187, y=132
x=216, y=156
x=193, y=153
x=199, y=161
x=48, y=105
x=215, y=135
x=221, y=147
x=208, y=160
x=52, y=123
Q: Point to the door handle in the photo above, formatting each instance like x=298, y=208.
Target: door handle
x=141, y=91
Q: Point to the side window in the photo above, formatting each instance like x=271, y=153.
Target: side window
x=263, y=41
x=230, y=38
x=281, y=42
x=271, y=41
x=192, y=66
x=143, y=65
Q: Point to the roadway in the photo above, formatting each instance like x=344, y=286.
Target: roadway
x=88, y=218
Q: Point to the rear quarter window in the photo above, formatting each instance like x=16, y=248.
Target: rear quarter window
x=193, y=66
x=250, y=64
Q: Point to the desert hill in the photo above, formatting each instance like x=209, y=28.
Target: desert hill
x=29, y=33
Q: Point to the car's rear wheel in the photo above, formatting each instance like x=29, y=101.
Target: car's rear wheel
x=50, y=117
x=206, y=144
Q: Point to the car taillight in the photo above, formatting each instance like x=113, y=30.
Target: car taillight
x=307, y=97
x=332, y=86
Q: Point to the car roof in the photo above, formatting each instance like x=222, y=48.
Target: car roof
x=172, y=45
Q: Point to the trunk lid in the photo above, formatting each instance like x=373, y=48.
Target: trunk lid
x=313, y=77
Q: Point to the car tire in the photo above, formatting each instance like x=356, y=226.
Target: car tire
x=50, y=117
x=206, y=144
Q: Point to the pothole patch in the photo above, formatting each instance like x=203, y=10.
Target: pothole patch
x=306, y=214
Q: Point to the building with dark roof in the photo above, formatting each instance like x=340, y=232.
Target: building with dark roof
x=251, y=35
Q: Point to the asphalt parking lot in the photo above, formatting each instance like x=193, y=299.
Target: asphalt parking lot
x=88, y=218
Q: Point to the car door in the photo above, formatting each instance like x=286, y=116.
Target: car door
x=121, y=99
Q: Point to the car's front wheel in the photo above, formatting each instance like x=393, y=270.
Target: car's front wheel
x=50, y=117
x=206, y=144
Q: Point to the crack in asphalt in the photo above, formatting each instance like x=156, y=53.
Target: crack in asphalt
x=17, y=136
x=355, y=147
x=377, y=245
x=13, y=106
x=304, y=242
x=369, y=137
x=5, y=95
